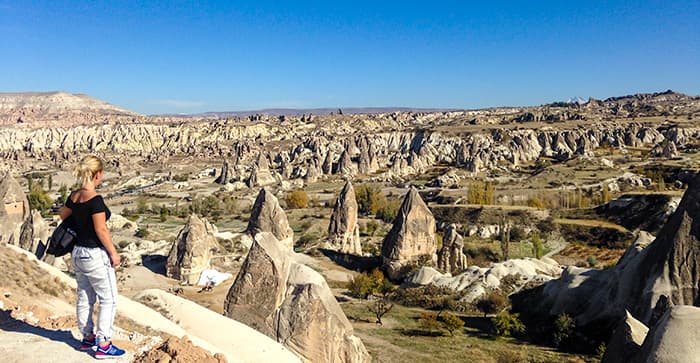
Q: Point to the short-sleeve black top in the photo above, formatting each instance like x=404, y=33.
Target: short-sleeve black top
x=82, y=212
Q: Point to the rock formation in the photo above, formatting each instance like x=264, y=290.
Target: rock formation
x=260, y=173
x=223, y=178
x=268, y=216
x=343, y=230
x=293, y=304
x=451, y=256
x=192, y=251
x=411, y=239
x=34, y=231
x=626, y=341
x=675, y=338
x=14, y=211
x=668, y=269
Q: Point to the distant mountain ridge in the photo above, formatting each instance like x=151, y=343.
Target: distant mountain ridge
x=56, y=107
x=307, y=111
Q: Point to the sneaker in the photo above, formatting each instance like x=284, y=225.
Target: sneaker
x=110, y=351
x=88, y=343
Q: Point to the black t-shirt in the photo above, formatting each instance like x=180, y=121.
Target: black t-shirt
x=82, y=212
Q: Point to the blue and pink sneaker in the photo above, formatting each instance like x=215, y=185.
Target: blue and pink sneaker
x=110, y=351
x=88, y=342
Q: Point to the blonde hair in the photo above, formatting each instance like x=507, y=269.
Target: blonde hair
x=88, y=167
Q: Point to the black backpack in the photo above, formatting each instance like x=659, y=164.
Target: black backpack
x=63, y=238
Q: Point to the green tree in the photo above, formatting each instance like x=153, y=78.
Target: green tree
x=370, y=199
x=50, y=182
x=63, y=191
x=491, y=303
x=38, y=198
x=537, y=247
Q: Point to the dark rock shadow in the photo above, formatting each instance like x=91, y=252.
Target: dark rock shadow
x=353, y=262
x=155, y=263
x=10, y=324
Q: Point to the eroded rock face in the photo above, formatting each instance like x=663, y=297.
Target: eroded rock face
x=293, y=304
x=33, y=232
x=411, y=239
x=451, y=256
x=675, y=338
x=192, y=250
x=343, y=230
x=626, y=341
x=667, y=269
x=268, y=216
x=14, y=211
x=223, y=177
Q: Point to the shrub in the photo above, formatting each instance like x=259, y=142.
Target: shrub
x=365, y=284
x=142, y=233
x=371, y=228
x=428, y=321
x=592, y=261
x=563, y=329
x=305, y=240
x=491, y=303
x=428, y=297
x=297, y=199
x=506, y=324
x=535, y=202
x=452, y=323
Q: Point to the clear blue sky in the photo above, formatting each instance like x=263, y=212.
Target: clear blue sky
x=230, y=55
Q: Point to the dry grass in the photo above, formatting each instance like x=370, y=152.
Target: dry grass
x=24, y=275
x=591, y=223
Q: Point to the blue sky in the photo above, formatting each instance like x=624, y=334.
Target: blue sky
x=186, y=57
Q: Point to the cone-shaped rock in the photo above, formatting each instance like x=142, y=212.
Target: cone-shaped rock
x=451, y=256
x=666, y=271
x=34, y=231
x=260, y=174
x=268, y=216
x=343, y=230
x=192, y=251
x=223, y=177
x=293, y=304
x=14, y=211
x=345, y=165
x=411, y=239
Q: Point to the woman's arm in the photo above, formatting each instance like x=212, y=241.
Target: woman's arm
x=65, y=212
x=100, y=222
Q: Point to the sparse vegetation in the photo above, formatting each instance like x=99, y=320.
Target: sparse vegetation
x=507, y=324
x=297, y=199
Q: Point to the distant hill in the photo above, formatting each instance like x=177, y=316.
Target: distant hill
x=56, y=108
x=306, y=111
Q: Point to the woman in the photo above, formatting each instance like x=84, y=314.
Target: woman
x=94, y=259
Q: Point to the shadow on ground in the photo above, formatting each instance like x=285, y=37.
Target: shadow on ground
x=10, y=324
x=353, y=262
x=155, y=263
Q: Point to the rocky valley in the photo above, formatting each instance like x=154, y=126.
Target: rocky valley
x=565, y=232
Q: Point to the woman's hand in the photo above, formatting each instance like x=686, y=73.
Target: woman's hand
x=116, y=259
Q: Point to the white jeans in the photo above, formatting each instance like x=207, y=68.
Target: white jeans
x=96, y=280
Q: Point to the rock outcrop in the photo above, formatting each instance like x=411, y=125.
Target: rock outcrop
x=343, y=230
x=260, y=173
x=626, y=341
x=192, y=251
x=293, y=304
x=668, y=269
x=223, y=178
x=268, y=216
x=675, y=338
x=34, y=232
x=451, y=256
x=15, y=210
x=411, y=239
